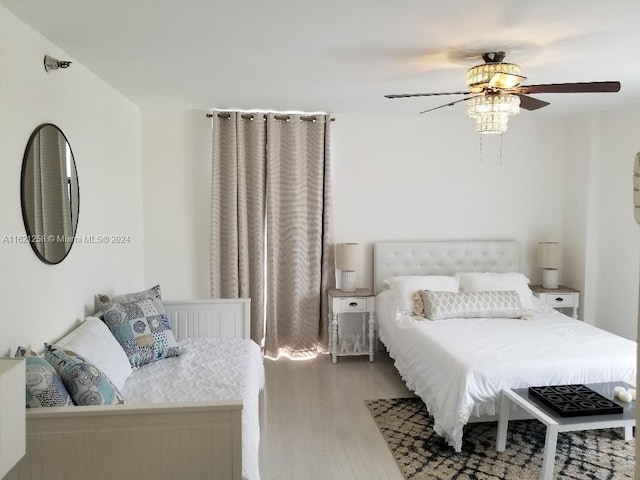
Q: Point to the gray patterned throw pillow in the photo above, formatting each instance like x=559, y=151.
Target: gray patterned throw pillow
x=498, y=304
x=85, y=382
x=142, y=329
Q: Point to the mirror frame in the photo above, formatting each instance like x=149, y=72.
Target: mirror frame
x=25, y=220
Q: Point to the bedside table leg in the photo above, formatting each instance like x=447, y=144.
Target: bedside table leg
x=575, y=312
x=334, y=338
x=372, y=335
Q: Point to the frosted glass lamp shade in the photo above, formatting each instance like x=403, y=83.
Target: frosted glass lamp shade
x=13, y=432
x=347, y=262
x=549, y=255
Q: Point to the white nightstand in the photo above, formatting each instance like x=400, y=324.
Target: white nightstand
x=561, y=297
x=341, y=342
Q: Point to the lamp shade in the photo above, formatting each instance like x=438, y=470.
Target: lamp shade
x=549, y=255
x=12, y=413
x=346, y=256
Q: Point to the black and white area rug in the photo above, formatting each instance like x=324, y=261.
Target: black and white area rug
x=421, y=454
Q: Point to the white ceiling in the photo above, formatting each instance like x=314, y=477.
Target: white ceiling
x=340, y=56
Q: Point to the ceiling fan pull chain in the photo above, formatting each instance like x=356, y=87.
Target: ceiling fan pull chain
x=501, y=135
x=481, y=150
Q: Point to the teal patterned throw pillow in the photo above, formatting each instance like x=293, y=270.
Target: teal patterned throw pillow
x=142, y=329
x=44, y=387
x=86, y=384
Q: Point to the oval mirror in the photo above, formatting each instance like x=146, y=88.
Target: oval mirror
x=50, y=194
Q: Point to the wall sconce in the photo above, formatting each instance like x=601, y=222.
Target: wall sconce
x=346, y=262
x=13, y=432
x=51, y=63
x=550, y=260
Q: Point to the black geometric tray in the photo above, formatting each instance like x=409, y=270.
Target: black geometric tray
x=574, y=400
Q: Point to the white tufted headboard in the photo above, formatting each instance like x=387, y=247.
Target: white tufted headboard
x=442, y=258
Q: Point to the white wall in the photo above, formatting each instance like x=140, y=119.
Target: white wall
x=580, y=226
x=177, y=201
x=602, y=239
x=421, y=178
x=42, y=302
x=618, y=234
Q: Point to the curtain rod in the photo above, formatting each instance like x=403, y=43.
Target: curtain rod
x=251, y=116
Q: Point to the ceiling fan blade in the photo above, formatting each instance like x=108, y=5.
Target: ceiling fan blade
x=506, y=80
x=450, y=104
x=579, y=87
x=530, y=103
x=407, y=95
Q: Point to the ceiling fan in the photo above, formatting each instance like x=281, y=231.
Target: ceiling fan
x=495, y=92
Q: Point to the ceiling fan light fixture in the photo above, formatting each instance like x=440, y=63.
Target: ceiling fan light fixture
x=492, y=123
x=492, y=111
x=506, y=81
x=480, y=76
x=495, y=92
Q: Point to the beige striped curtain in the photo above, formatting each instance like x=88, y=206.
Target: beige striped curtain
x=238, y=211
x=271, y=190
x=298, y=234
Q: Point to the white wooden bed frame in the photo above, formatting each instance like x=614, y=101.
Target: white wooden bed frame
x=161, y=441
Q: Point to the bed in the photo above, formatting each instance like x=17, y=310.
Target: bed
x=459, y=366
x=192, y=416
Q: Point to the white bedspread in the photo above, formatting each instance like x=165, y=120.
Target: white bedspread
x=459, y=366
x=208, y=369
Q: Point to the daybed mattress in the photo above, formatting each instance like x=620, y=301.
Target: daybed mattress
x=208, y=369
x=459, y=366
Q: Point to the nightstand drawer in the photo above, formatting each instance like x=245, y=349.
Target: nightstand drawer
x=562, y=297
x=560, y=300
x=353, y=304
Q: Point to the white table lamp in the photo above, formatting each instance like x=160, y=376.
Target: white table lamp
x=346, y=262
x=550, y=260
x=12, y=413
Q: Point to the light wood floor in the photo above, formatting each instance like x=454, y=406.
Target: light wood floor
x=315, y=425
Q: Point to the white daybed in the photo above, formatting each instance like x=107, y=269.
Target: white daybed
x=174, y=424
x=459, y=366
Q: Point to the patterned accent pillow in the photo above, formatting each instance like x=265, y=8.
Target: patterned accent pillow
x=86, y=384
x=490, y=304
x=44, y=387
x=153, y=293
x=142, y=329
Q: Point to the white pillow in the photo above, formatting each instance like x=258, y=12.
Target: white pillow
x=404, y=287
x=491, y=282
x=94, y=341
